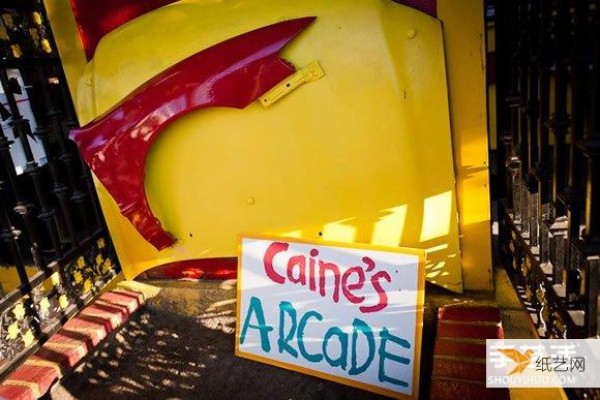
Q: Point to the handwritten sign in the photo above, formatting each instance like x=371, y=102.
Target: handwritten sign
x=347, y=313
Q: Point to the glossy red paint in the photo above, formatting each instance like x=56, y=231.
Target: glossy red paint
x=233, y=74
x=211, y=268
x=97, y=18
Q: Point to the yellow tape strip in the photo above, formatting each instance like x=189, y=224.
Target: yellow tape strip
x=312, y=72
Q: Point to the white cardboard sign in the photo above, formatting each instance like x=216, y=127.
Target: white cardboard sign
x=344, y=312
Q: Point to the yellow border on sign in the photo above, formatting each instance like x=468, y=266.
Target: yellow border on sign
x=322, y=375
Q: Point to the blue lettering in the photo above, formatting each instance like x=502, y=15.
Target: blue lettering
x=341, y=361
x=383, y=355
x=315, y=358
x=285, y=307
x=362, y=326
x=256, y=308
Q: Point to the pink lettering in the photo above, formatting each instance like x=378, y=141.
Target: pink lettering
x=274, y=249
x=300, y=263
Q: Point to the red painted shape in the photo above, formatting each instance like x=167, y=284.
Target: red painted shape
x=209, y=268
x=97, y=18
x=426, y=6
x=233, y=74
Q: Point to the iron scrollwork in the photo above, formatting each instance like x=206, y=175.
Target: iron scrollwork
x=24, y=34
x=88, y=273
x=74, y=283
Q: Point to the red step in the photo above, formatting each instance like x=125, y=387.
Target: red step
x=76, y=339
x=448, y=347
x=459, y=354
x=452, y=330
x=470, y=314
x=449, y=389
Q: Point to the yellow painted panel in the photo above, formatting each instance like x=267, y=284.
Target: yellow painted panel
x=9, y=277
x=436, y=216
x=362, y=155
x=390, y=227
x=464, y=36
x=69, y=46
x=537, y=393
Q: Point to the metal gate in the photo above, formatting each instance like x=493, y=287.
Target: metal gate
x=548, y=148
x=55, y=251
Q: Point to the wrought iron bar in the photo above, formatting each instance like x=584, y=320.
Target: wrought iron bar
x=558, y=253
x=54, y=130
x=591, y=148
x=10, y=237
x=532, y=113
x=67, y=156
x=46, y=299
x=22, y=131
x=579, y=70
x=82, y=185
x=573, y=195
x=24, y=207
x=524, y=182
x=560, y=123
x=545, y=44
x=542, y=168
x=549, y=74
x=513, y=51
x=502, y=82
x=59, y=189
x=560, y=119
